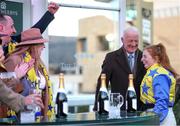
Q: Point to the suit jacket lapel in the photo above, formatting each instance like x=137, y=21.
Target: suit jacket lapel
x=121, y=58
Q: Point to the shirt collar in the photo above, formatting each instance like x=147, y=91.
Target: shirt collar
x=133, y=54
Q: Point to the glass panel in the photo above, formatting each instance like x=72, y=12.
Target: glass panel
x=79, y=40
x=131, y=10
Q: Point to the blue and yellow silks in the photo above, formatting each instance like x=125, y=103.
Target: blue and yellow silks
x=158, y=88
x=147, y=95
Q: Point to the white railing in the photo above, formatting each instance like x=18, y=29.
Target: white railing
x=81, y=100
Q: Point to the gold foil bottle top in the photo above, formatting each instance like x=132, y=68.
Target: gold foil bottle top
x=61, y=80
x=61, y=75
x=103, y=76
x=131, y=80
x=103, y=80
x=131, y=76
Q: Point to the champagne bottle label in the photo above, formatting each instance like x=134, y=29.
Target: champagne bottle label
x=134, y=100
x=62, y=90
x=103, y=89
x=106, y=102
x=106, y=105
x=55, y=107
x=134, y=104
x=65, y=107
x=126, y=105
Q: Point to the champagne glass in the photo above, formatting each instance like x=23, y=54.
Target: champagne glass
x=8, y=78
x=7, y=75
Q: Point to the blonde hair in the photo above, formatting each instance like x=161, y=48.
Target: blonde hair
x=33, y=50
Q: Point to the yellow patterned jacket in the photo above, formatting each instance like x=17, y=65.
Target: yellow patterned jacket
x=158, y=88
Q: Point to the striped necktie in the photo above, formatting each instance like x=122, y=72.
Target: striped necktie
x=130, y=60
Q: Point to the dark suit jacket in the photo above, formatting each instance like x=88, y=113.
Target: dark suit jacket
x=117, y=70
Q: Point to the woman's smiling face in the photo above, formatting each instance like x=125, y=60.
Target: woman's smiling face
x=147, y=59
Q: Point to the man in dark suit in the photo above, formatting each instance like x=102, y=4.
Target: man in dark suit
x=117, y=68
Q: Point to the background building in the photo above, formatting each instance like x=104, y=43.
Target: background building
x=166, y=28
x=92, y=45
x=140, y=14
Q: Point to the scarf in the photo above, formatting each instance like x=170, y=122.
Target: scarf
x=32, y=76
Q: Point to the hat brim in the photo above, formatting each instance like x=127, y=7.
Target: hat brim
x=32, y=42
x=1, y=35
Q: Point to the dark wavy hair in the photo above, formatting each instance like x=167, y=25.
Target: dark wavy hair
x=158, y=52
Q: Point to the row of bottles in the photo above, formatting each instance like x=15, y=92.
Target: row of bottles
x=103, y=98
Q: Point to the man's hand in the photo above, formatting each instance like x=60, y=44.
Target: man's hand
x=33, y=99
x=53, y=7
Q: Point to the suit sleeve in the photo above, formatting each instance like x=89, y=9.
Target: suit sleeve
x=44, y=21
x=13, y=100
x=106, y=68
x=42, y=24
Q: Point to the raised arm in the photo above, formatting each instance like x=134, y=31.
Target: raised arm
x=43, y=23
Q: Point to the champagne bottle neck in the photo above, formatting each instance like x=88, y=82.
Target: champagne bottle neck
x=103, y=83
x=61, y=83
x=131, y=83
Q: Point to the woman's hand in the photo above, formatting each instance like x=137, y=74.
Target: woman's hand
x=22, y=68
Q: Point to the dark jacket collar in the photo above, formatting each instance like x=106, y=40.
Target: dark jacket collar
x=123, y=60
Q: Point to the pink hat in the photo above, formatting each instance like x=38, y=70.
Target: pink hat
x=31, y=36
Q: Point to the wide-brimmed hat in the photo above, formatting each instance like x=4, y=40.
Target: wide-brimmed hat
x=30, y=37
